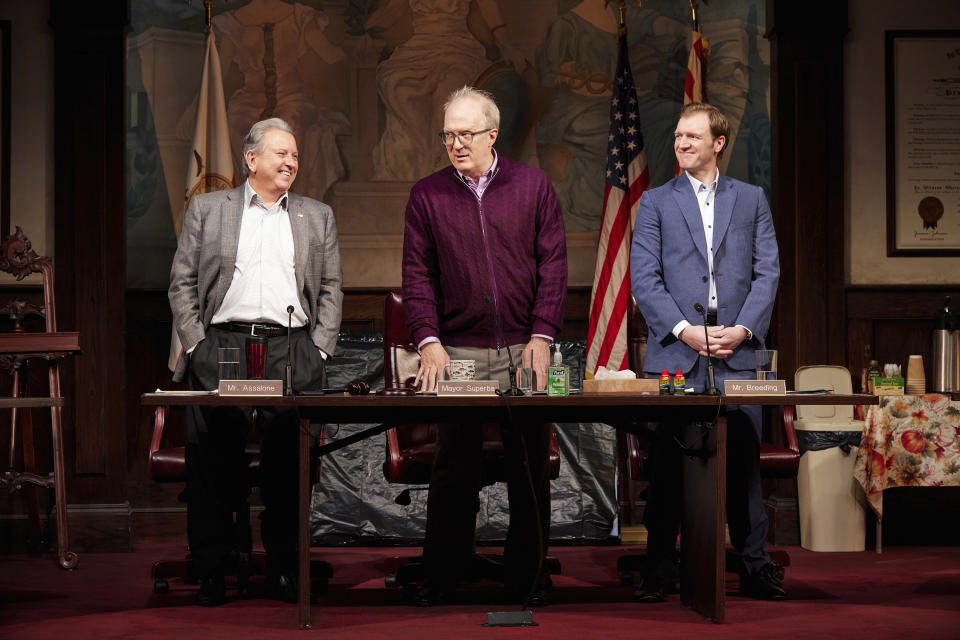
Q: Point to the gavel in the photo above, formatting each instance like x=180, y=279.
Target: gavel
x=355, y=388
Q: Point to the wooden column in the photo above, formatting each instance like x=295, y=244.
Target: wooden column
x=89, y=259
x=806, y=52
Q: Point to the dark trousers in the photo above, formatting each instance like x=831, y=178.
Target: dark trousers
x=218, y=482
x=746, y=516
x=455, y=483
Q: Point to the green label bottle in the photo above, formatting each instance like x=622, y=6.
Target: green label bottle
x=558, y=377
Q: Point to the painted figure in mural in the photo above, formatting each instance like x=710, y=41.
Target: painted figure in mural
x=576, y=66
x=442, y=54
x=267, y=39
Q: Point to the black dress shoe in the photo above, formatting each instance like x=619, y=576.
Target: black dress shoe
x=650, y=590
x=430, y=596
x=765, y=584
x=540, y=596
x=520, y=593
x=282, y=587
x=213, y=592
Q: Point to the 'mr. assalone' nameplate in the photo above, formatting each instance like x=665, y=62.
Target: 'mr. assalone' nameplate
x=467, y=387
x=755, y=387
x=251, y=387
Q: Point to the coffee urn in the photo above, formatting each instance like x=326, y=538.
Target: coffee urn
x=946, y=350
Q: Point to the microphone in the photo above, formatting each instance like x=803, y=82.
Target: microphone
x=512, y=369
x=288, y=369
x=711, y=389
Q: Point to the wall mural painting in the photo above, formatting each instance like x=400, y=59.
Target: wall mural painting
x=363, y=82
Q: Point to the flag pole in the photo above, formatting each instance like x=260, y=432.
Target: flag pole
x=693, y=15
x=209, y=5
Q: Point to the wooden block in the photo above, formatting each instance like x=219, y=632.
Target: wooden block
x=623, y=385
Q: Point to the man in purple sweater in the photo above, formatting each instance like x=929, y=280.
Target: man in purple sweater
x=483, y=238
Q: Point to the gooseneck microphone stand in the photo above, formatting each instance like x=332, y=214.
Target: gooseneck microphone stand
x=711, y=389
x=523, y=617
x=288, y=369
x=512, y=367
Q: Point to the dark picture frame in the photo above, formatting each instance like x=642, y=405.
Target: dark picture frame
x=924, y=215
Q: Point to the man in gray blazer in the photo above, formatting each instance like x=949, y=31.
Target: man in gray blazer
x=250, y=261
x=707, y=239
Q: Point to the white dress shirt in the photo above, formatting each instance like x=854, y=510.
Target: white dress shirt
x=264, y=277
x=706, y=194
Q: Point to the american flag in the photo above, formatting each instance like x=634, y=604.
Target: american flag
x=693, y=89
x=627, y=178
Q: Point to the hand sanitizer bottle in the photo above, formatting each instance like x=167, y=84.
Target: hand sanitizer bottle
x=558, y=377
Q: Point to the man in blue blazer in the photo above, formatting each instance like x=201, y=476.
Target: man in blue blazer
x=709, y=239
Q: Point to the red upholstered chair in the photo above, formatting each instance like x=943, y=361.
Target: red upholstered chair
x=411, y=447
x=776, y=460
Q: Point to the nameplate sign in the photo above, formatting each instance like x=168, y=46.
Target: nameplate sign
x=251, y=387
x=755, y=387
x=467, y=387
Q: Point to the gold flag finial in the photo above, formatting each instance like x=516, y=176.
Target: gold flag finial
x=209, y=6
x=693, y=13
x=622, y=11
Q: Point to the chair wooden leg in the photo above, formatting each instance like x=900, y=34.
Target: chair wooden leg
x=68, y=559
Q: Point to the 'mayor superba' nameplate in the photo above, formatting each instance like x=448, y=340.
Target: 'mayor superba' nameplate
x=467, y=387
x=251, y=387
x=755, y=387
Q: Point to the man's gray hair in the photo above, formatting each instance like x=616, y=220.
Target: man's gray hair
x=491, y=113
x=253, y=141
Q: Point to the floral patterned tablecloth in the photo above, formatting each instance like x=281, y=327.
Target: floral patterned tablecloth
x=909, y=441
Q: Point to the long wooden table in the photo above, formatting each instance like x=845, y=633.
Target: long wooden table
x=702, y=580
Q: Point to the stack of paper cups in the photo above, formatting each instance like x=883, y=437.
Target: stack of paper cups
x=916, y=383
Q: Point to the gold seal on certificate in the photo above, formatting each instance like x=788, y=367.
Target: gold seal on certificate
x=930, y=210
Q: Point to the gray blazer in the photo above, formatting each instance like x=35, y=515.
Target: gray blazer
x=668, y=267
x=203, y=266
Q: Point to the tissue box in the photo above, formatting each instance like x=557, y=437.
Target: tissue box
x=623, y=385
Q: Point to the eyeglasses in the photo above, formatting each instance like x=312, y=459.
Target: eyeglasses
x=465, y=137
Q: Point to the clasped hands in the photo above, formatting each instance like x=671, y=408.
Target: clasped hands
x=723, y=340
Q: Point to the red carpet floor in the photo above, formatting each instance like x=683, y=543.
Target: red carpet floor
x=908, y=592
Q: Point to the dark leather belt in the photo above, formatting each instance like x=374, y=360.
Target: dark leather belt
x=711, y=318
x=265, y=329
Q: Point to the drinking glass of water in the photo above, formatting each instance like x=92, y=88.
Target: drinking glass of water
x=766, y=364
x=228, y=363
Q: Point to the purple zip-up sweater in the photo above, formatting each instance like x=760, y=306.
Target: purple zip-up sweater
x=509, y=246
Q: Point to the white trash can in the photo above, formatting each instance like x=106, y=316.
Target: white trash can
x=831, y=502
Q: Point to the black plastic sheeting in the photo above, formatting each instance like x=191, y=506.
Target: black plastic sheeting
x=353, y=503
x=820, y=440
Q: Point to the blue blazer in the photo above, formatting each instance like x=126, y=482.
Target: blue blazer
x=668, y=267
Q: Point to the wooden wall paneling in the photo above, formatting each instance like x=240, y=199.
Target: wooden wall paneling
x=89, y=256
x=894, y=322
x=807, y=162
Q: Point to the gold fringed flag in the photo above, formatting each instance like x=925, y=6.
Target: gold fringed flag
x=210, y=167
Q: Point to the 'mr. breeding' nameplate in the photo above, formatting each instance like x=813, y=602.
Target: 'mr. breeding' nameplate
x=467, y=387
x=251, y=387
x=755, y=387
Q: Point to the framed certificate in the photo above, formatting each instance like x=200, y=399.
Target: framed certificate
x=923, y=143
